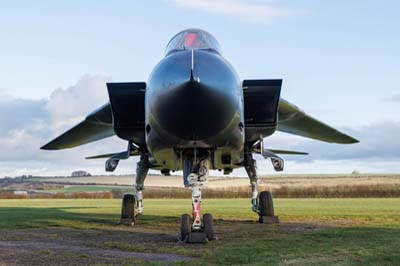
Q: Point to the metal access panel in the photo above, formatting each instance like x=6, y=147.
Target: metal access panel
x=128, y=111
x=261, y=100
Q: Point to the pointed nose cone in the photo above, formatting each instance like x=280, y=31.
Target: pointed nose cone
x=193, y=111
x=199, y=106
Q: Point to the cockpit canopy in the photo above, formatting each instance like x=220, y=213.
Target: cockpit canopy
x=192, y=39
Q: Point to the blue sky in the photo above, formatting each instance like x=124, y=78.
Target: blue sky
x=339, y=61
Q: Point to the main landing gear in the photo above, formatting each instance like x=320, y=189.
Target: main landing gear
x=132, y=205
x=196, y=230
x=262, y=203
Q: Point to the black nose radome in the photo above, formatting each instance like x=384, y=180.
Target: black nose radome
x=193, y=111
x=195, y=96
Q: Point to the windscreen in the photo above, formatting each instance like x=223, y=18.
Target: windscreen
x=192, y=39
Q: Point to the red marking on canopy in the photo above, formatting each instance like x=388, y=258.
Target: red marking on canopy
x=190, y=39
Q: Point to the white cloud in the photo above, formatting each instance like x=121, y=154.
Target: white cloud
x=250, y=11
x=68, y=106
x=26, y=125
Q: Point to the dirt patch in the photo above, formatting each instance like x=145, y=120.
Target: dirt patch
x=79, y=251
x=64, y=246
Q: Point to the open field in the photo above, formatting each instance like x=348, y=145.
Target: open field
x=312, y=232
x=282, y=186
x=216, y=182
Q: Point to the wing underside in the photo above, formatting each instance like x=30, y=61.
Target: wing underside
x=293, y=120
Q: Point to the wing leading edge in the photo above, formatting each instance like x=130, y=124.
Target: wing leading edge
x=96, y=126
x=293, y=120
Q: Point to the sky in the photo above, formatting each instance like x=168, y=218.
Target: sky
x=339, y=61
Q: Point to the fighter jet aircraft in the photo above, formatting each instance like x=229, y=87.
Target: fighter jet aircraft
x=194, y=113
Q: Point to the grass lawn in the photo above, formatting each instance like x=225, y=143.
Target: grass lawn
x=312, y=231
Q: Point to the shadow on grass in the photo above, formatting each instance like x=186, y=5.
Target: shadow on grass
x=21, y=217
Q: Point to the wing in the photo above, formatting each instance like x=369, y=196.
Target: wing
x=288, y=152
x=109, y=155
x=257, y=149
x=97, y=125
x=293, y=120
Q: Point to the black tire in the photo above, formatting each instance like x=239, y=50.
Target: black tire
x=266, y=204
x=128, y=207
x=185, y=226
x=208, y=225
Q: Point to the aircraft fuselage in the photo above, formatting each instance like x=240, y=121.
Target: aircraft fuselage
x=194, y=100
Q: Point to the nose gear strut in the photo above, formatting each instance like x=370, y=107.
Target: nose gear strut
x=195, y=176
x=196, y=184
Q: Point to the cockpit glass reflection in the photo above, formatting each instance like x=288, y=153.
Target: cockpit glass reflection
x=193, y=39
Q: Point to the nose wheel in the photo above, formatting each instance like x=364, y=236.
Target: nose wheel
x=185, y=227
x=208, y=226
x=201, y=234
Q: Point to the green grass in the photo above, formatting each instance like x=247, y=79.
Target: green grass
x=38, y=212
x=312, y=232
x=344, y=246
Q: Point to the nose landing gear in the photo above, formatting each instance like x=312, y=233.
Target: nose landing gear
x=201, y=230
x=200, y=234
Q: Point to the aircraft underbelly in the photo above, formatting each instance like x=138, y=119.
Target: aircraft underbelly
x=228, y=143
